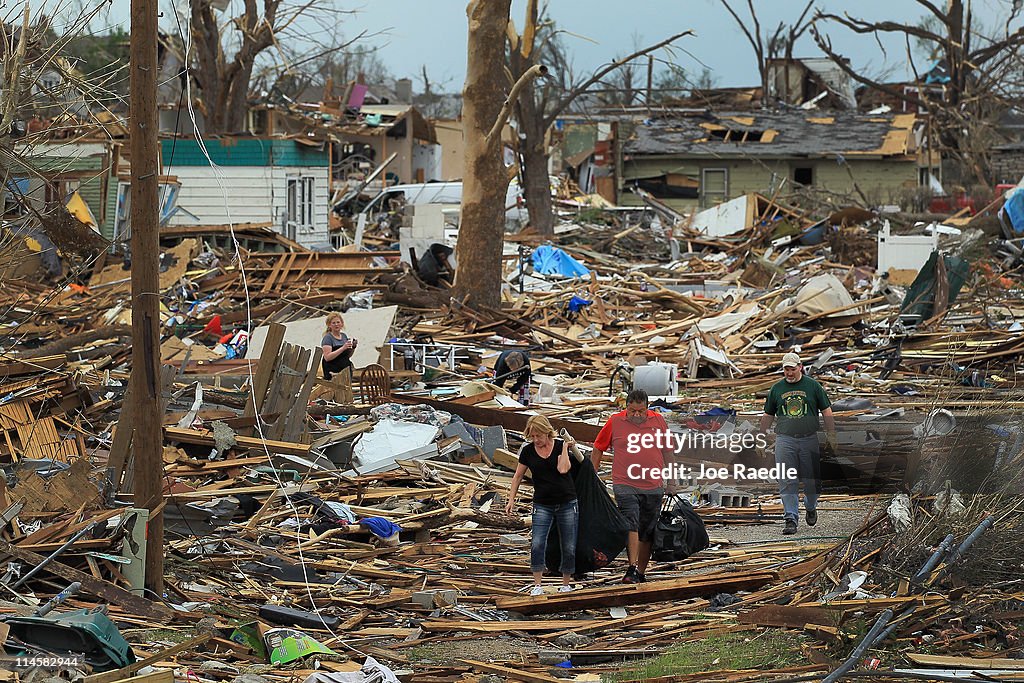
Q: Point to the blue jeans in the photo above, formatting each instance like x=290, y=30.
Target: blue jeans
x=801, y=454
x=567, y=516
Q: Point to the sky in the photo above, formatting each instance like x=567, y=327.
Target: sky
x=410, y=33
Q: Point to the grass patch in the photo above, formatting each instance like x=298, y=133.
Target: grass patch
x=163, y=635
x=771, y=649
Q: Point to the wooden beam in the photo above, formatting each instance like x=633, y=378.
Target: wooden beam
x=265, y=369
x=581, y=431
x=791, y=616
x=101, y=589
x=510, y=674
x=206, y=439
x=965, y=662
x=128, y=672
x=637, y=594
x=10, y=367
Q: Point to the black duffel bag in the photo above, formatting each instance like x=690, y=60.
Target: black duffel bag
x=603, y=531
x=679, y=532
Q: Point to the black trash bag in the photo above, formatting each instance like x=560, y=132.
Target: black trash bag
x=679, y=532
x=603, y=530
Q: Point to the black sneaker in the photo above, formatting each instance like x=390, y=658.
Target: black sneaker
x=632, y=575
x=790, y=528
x=812, y=517
x=643, y=577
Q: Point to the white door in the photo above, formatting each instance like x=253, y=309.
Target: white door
x=300, y=217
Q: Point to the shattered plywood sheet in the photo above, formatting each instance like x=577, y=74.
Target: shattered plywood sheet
x=67, y=490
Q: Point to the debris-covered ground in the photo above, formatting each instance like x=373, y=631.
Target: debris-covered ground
x=355, y=531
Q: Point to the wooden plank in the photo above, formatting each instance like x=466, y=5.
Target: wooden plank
x=511, y=674
x=965, y=662
x=204, y=438
x=102, y=589
x=126, y=673
x=792, y=616
x=476, y=398
x=638, y=594
x=297, y=418
x=522, y=625
x=265, y=369
x=506, y=459
x=10, y=367
x=581, y=431
x=121, y=446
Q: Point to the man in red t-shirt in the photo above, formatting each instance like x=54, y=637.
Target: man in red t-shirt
x=637, y=466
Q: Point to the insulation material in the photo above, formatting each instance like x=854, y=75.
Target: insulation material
x=823, y=293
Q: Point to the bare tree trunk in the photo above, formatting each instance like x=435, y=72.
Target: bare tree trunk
x=485, y=180
x=536, y=186
x=223, y=84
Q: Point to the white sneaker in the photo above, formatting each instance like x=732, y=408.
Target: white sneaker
x=566, y=588
x=536, y=590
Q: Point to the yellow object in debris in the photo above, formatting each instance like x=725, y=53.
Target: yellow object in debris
x=33, y=245
x=80, y=210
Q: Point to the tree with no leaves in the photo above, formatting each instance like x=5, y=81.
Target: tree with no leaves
x=537, y=109
x=980, y=79
x=768, y=47
x=225, y=52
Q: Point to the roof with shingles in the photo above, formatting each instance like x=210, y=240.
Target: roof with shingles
x=773, y=134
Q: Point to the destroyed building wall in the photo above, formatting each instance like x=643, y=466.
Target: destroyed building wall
x=449, y=135
x=884, y=179
x=707, y=157
x=280, y=181
x=54, y=170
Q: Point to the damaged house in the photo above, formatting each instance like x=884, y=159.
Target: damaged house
x=695, y=158
x=283, y=181
x=699, y=159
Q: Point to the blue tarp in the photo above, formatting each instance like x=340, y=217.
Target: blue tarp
x=577, y=302
x=384, y=528
x=1014, y=210
x=551, y=260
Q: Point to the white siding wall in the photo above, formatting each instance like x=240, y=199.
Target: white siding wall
x=247, y=190
x=254, y=194
x=319, y=236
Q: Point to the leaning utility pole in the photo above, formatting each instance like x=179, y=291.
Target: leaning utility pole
x=145, y=249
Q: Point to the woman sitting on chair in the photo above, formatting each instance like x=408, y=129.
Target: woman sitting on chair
x=337, y=346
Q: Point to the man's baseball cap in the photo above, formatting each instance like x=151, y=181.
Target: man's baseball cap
x=790, y=359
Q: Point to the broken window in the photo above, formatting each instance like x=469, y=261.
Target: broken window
x=714, y=186
x=671, y=186
x=729, y=135
x=803, y=175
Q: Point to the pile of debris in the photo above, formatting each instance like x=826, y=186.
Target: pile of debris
x=319, y=528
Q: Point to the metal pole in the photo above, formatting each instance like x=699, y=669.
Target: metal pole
x=56, y=553
x=933, y=561
x=858, y=652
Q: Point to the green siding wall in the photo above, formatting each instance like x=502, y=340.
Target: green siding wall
x=232, y=152
x=92, y=171
x=880, y=180
x=107, y=227
x=291, y=153
x=241, y=152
